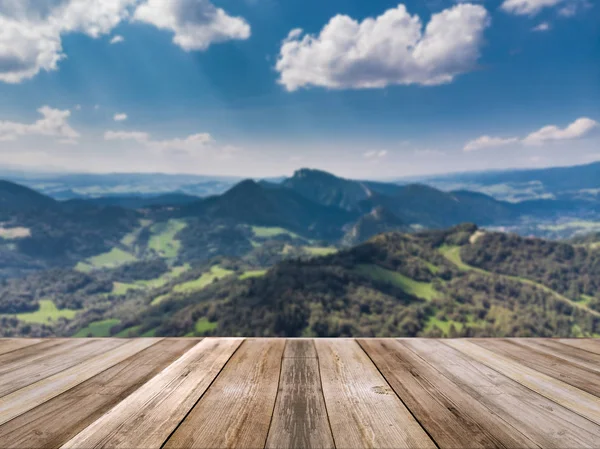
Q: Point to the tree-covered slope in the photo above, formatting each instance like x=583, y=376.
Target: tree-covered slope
x=393, y=285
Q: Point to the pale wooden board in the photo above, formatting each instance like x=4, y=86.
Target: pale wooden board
x=587, y=344
x=25, y=399
x=53, y=361
x=300, y=347
x=580, y=357
x=561, y=369
x=149, y=415
x=364, y=411
x=54, y=422
x=300, y=417
x=236, y=410
x=570, y=397
x=29, y=355
x=452, y=417
x=544, y=422
x=12, y=344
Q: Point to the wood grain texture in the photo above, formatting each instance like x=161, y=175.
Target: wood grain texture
x=300, y=417
x=575, y=355
x=364, y=411
x=30, y=355
x=587, y=344
x=26, y=398
x=542, y=421
x=300, y=347
x=236, y=410
x=49, y=362
x=559, y=392
x=147, y=417
x=53, y=423
x=553, y=366
x=12, y=344
x=452, y=417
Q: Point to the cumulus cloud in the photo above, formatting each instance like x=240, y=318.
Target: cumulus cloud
x=544, y=26
x=54, y=123
x=375, y=154
x=390, y=49
x=31, y=30
x=579, y=128
x=196, y=24
x=488, y=142
x=117, y=39
x=120, y=117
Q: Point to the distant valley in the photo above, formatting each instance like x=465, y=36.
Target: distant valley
x=313, y=254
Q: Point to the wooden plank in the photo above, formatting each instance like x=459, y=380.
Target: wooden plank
x=561, y=369
x=587, y=344
x=541, y=420
x=452, y=417
x=364, y=411
x=236, y=410
x=12, y=344
x=53, y=361
x=28, y=354
x=300, y=347
x=25, y=399
x=300, y=417
x=573, y=398
x=580, y=357
x=53, y=423
x=150, y=414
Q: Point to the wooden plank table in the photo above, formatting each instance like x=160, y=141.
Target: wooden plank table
x=299, y=393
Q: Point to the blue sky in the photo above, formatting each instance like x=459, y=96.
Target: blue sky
x=212, y=87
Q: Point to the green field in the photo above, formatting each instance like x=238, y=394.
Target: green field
x=46, y=313
x=128, y=332
x=121, y=288
x=423, y=290
x=253, y=274
x=216, y=272
x=111, y=259
x=320, y=250
x=98, y=328
x=163, y=240
x=203, y=325
x=266, y=232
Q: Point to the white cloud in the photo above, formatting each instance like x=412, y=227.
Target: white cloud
x=579, y=128
x=77, y=107
x=544, y=26
x=54, y=123
x=196, y=23
x=120, y=117
x=31, y=31
x=190, y=143
x=375, y=154
x=390, y=49
x=488, y=142
x=117, y=39
x=533, y=7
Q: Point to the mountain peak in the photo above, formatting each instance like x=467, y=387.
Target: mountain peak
x=312, y=173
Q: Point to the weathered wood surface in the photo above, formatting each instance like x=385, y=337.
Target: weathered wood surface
x=299, y=393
